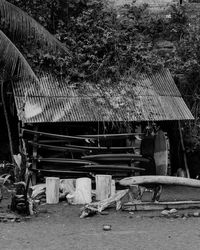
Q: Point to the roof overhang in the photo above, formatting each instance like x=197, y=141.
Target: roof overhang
x=147, y=98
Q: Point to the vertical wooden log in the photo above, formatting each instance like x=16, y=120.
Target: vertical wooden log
x=103, y=186
x=184, y=153
x=52, y=190
x=83, y=193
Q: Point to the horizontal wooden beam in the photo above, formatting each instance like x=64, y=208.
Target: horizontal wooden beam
x=112, y=136
x=76, y=148
x=114, y=167
x=65, y=161
x=59, y=171
x=150, y=206
x=57, y=148
x=82, y=137
x=125, y=157
x=66, y=137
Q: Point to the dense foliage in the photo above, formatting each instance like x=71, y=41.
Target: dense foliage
x=108, y=43
x=105, y=43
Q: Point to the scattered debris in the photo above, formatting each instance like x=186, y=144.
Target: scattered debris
x=9, y=217
x=172, y=211
x=95, y=207
x=104, y=213
x=162, y=205
x=196, y=214
x=168, y=212
x=165, y=212
x=38, y=191
x=107, y=227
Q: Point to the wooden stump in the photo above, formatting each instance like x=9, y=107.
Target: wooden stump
x=83, y=193
x=103, y=186
x=52, y=190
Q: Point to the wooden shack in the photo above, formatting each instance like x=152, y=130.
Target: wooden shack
x=64, y=129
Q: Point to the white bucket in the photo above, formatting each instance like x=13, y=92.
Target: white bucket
x=83, y=193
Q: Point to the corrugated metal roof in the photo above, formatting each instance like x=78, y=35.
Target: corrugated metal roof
x=153, y=97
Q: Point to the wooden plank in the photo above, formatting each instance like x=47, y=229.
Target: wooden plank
x=65, y=161
x=76, y=148
x=156, y=179
x=83, y=165
x=114, y=167
x=66, y=137
x=56, y=148
x=52, y=141
x=150, y=206
x=76, y=173
x=116, y=157
x=89, y=169
x=59, y=171
x=125, y=155
x=111, y=136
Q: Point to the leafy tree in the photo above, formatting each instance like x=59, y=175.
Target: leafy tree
x=17, y=27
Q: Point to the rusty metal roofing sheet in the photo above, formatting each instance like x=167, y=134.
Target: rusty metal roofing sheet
x=148, y=97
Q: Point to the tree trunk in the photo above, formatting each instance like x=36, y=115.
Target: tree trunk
x=7, y=119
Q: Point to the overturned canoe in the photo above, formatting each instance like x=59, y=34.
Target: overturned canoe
x=159, y=179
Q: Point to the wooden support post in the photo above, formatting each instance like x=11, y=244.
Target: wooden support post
x=35, y=154
x=183, y=148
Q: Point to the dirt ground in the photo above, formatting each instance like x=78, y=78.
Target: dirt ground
x=59, y=227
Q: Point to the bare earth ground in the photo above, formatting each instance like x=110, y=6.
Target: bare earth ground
x=61, y=228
